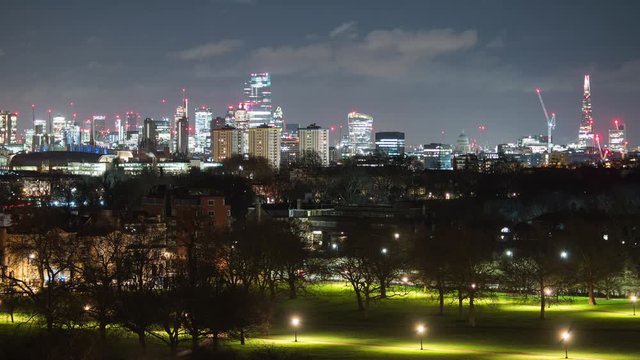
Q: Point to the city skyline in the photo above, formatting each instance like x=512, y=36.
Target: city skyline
x=476, y=72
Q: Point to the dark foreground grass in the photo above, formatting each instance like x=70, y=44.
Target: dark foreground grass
x=332, y=328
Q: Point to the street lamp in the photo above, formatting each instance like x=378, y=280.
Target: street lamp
x=633, y=300
x=295, y=322
x=384, y=251
x=564, y=254
x=509, y=253
x=547, y=291
x=396, y=236
x=87, y=307
x=420, y=329
x=565, y=339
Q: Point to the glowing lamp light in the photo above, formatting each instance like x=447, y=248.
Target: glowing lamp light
x=566, y=336
x=405, y=279
x=295, y=321
x=421, y=329
x=87, y=307
x=384, y=250
x=396, y=236
x=547, y=292
x=564, y=254
x=634, y=298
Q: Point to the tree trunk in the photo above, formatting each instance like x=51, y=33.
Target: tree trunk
x=592, y=296
x=194, y=339
x=472, y=309
x=142, y=340
x=542, y=300
x=291, y=280
x=215, y=340
x=460, y=299
x=102, y=330
x=11, y=314
x=383, y=289
x=440, y=300
x=241, y=336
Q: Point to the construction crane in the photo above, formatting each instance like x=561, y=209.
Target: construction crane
x=551, y=120
x=603, y=154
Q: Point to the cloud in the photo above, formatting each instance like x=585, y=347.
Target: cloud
x=209, y=50
x=344, y=28
x=496, y=43
x=2, y=53
x=380, y=53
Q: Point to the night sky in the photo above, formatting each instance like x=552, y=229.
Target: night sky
x=417, y=66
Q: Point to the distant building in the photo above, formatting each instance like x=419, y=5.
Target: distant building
x=314, y=138
x=225, y=142
x=148, y=141
x=8, y=128
x=264, y=141
x=618, y=138
x=58, y=125
x=98, y=128
x=163, y=132
x=390, y=143
x=278, y=118
x=360, y=133
x=463, y=145
x=203, y=121
x=182, y=136
x=585, y=132
x=437, y=156
x=257, y=92
x=291, y=130
x=189, y=208
x=289, y=149
x=467, y=162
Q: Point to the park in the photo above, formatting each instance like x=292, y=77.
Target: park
x=329, y=326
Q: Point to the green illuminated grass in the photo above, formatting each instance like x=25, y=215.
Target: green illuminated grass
x=333, y=329
x=506, y=328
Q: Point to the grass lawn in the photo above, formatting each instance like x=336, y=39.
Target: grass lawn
x=332, y=328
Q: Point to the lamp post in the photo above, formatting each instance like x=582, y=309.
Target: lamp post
x=565, y=339
x=295, y=322
x=633, y=300
x=420, y=329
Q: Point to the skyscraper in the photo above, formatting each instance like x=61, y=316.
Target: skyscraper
x=360, y=131
x=163, y=133
x=149, y=140
x=98, y=128
x=617, y=138
x=203, y=119
x=316, y=139
x=8, y=127
x=182, y=136
x=585, y=132
x=264, y=141
x=390, y=143
x=278, y=117
x=58, y=125
x=257, y=93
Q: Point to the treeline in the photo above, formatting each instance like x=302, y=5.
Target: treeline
x=207, y=285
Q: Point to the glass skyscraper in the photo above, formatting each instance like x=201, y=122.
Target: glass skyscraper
x=257, y=94
x=360, y=131
x=203, y=119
